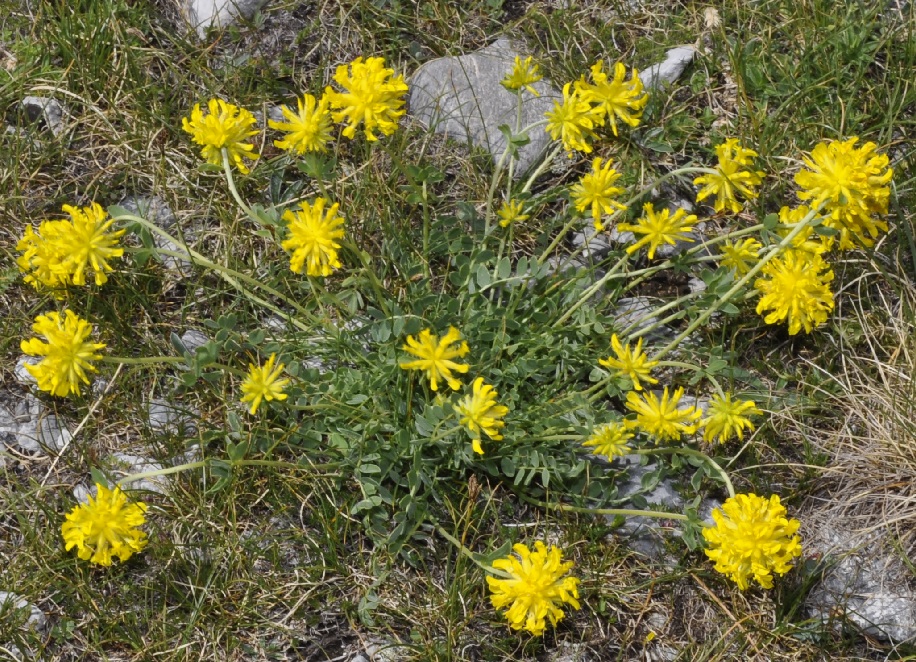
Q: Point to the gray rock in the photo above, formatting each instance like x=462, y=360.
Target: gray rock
x=869, y=584
x=597, y=244
x=154, y=209
x=22, y=375
x=274, y=113
x=462, y=98
x=134, y=464
x=47, y=110
x=157, y=211
x=28, y=425
x=670, y=69
x=638, y=313
x=167, y=418
x=82, y=493
x=204, y=14
x=36, y=618
x=192, y=339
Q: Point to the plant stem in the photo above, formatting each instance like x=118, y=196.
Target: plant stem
x=694, y=453
x=227, y=168
x=233, y=463
x=142, y=360
x=626, y=512
x=464, y=551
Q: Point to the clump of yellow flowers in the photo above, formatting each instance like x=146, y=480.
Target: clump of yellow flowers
x=67, y=353
x=752, y=539
x=534, y=587
x=105, y=527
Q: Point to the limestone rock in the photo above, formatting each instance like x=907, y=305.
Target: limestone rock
x=46, y=110
x=134, y=464
x=204, y=14
x=36, y=619
x=670, y=69
x=25, y=423
x=167, y=418
x=462, y=98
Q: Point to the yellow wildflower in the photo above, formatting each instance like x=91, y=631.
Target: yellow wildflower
x=67, y=355
x=574, y=121
x=740, y=256
x=511, y=212
x=732, y=176
x=523, y=75
x=632, y=363
x=661, y=418
x=852, y=184
x=434, y=355
x=105, y=527
x=609, y=440
x=535, y=588
x=309, y=130
x=807, y=240
x=480, y=413
x=226, y=126
x=726, y=418
x=752, y=537
x=615, y=99
x=313, y=235
x=263, y=383
x=373, y=95
x=795, y=288
x=659, y=228
x=596, y=190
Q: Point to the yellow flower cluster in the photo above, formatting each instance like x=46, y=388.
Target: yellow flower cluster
x=372, y=95
x=596, y=191
x=264, y=383
x=480, y=413
x=795, y=289
x=105, y=526
x=62, y=253
x=67, y=354
x=609, y=440
x=631, y=363
x=732, y=176
x=523, y=75
x=587, y=106
x=752, y=538
x=225, y=126
x=534, y=588
x=313, y=237
x=659, y=228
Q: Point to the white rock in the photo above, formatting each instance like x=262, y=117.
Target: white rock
x=669, y=70
x=36, y=619
x=167, y=418
x=45, y=109
x=192, y=339
x=204, y=14
x=23, y=376
x=134, y=464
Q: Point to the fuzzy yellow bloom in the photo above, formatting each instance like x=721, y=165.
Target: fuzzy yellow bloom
x=732, y=176
x=796, y=288
x=105, y=527
x=313, y=238
x=632, y=363
x=63, y=252
x=659, y=228
x=807, y=240
x=616, y=99
x=661, y=418
x=372, y=95
x=523, y=75
x=67, y=355
x=480, y=413
x=727, y=418
x=852, y=184
x=609, y=440
x=309, y=130
x=435, y=356
x=596, y=190
x=263, y=383
x=752, y=538
x=574, y=121
x=535, y=589
x=511, y=212
x=740, y=256
x=225, y=126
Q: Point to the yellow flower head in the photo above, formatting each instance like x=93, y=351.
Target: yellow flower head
x=609, y=440
x=523, y=74
x=373, y=96
x=313, y=235
x=511, y=212
x=67, y=355
x=807, y=240
x=596, y=190
x=615, y=99
x=852, y=184
x=726, y=418
x=535, y=588
x=62, y=252
x=434, y=355
x=659, y=228
x=661, y=418
x=226, y=126
x=309, y=130
x=480, y=413
x=732, y=176
x=632, y=363
x=740, y=256
x=796, y=288
x=263, y=383
x=752, y=537
x=105, y=527
x=574, y=121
